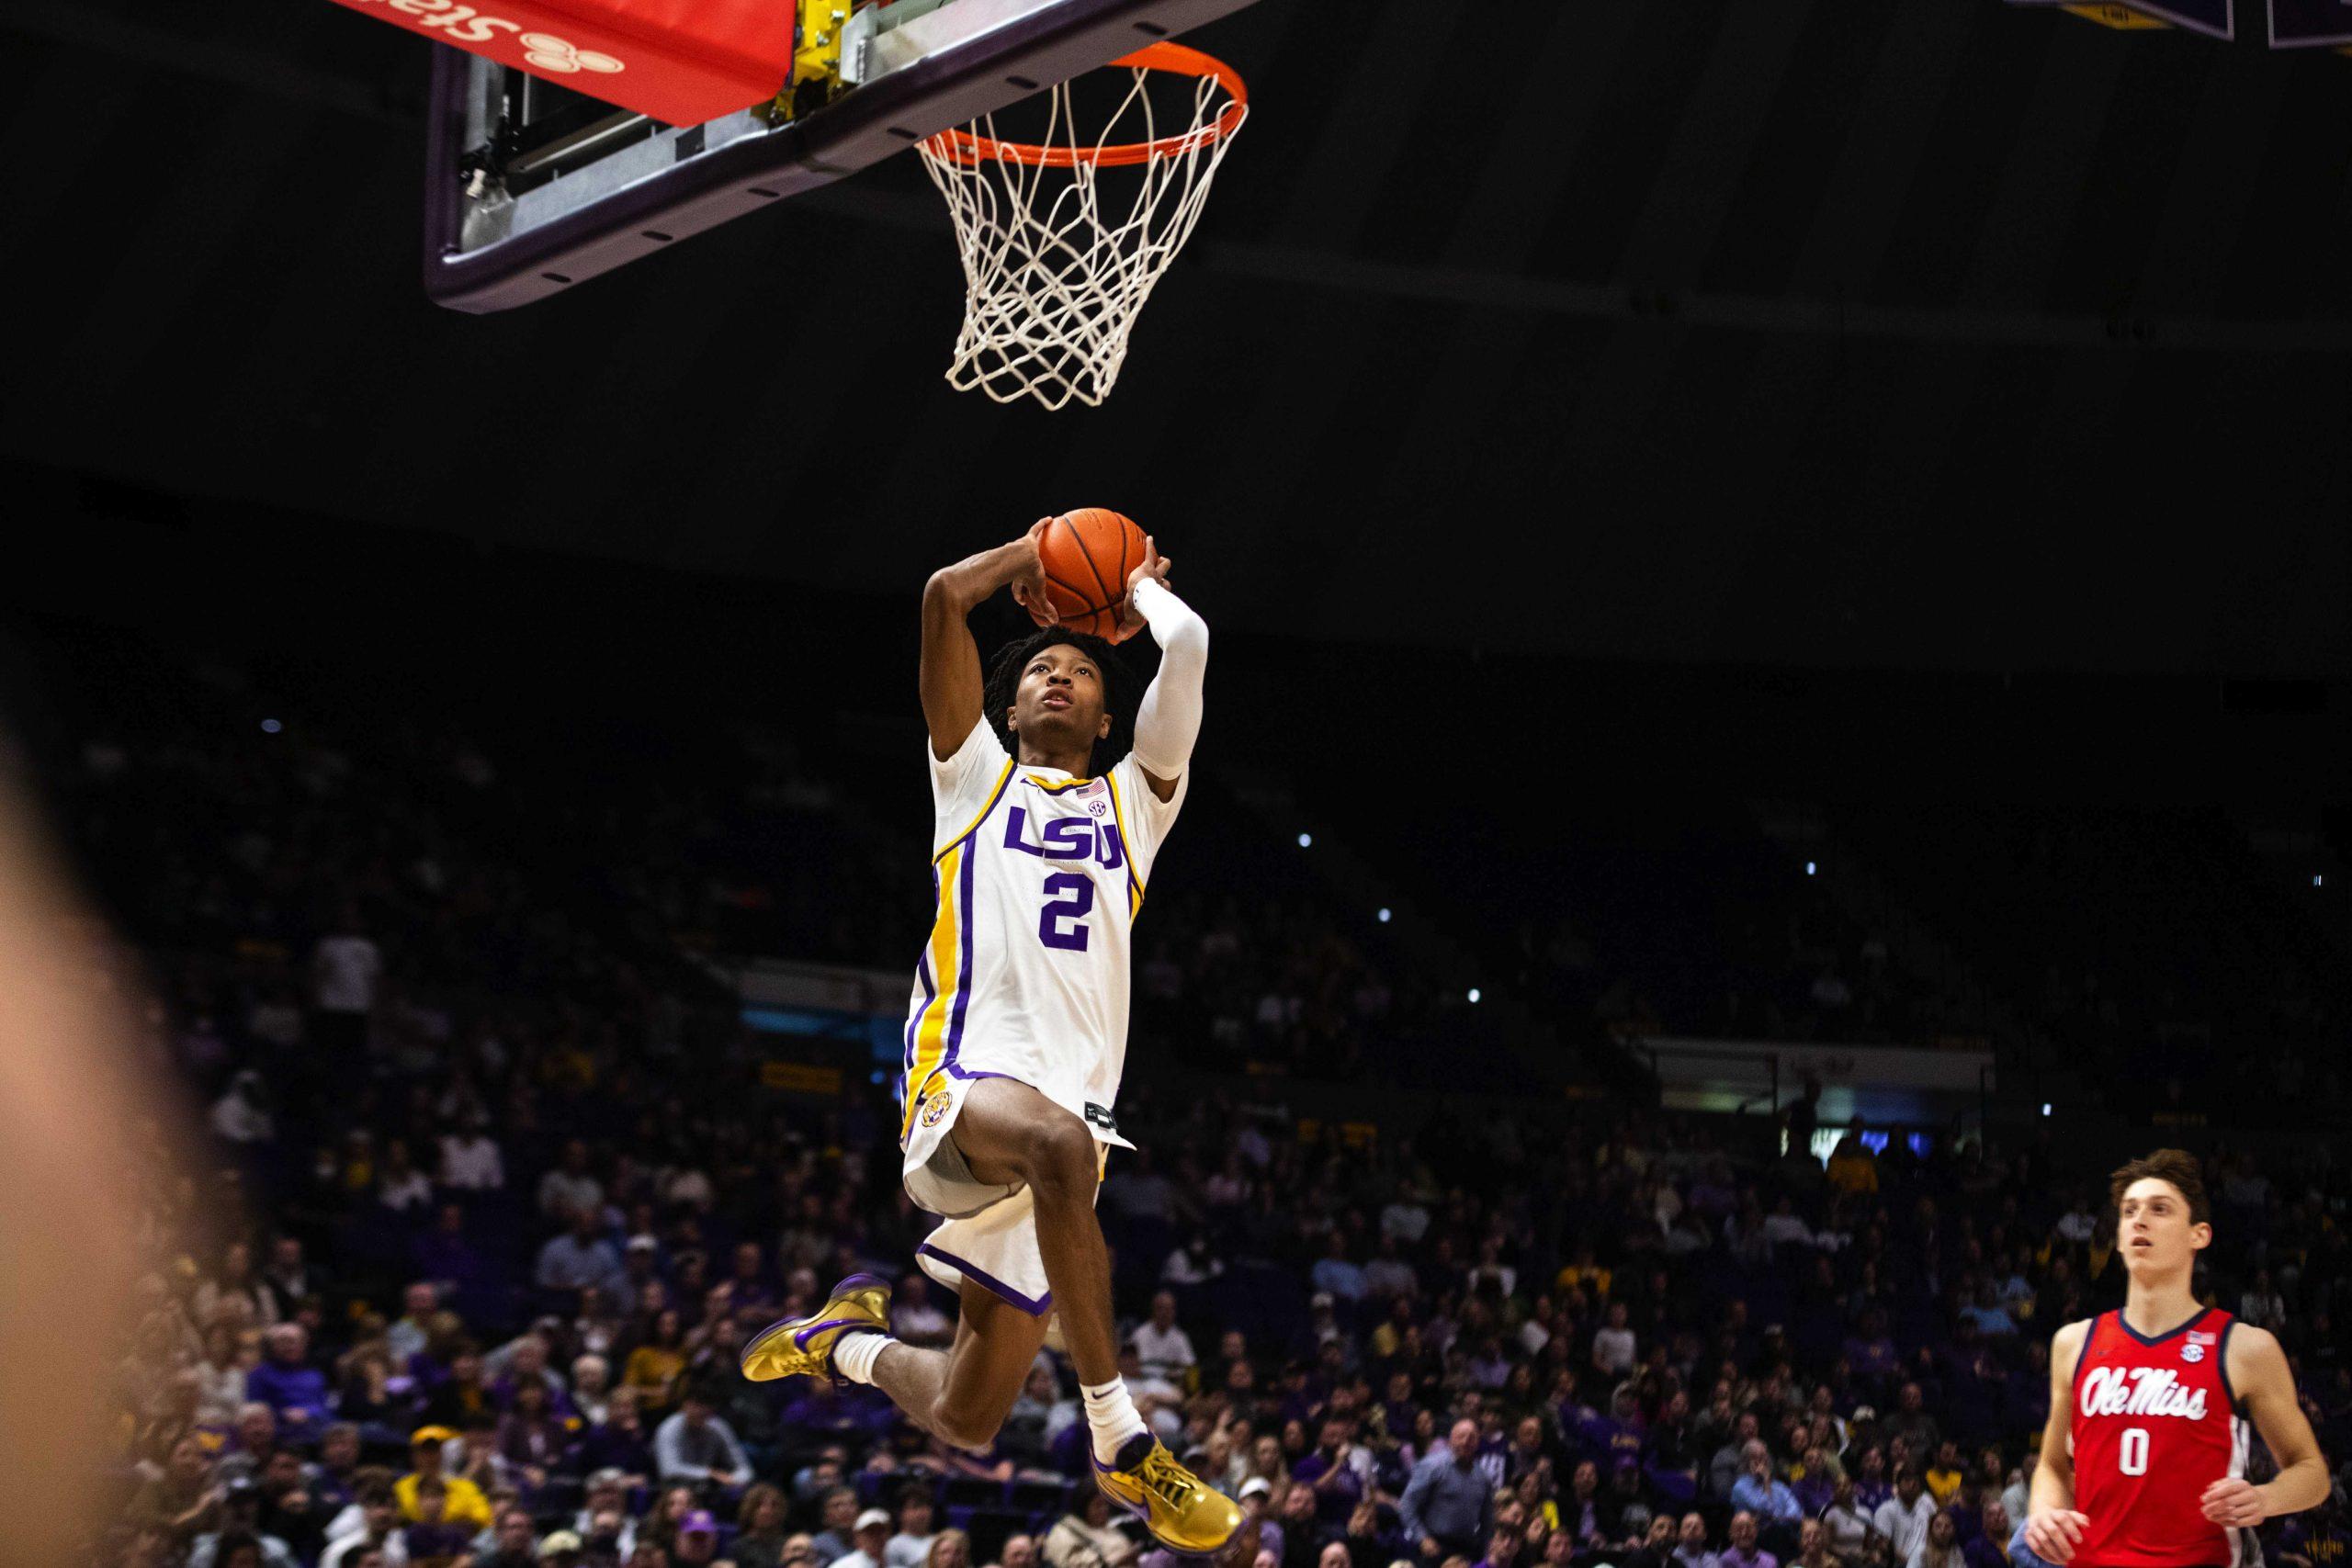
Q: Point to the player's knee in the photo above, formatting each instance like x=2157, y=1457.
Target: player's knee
x=963, y=1428
x=1059, y=1153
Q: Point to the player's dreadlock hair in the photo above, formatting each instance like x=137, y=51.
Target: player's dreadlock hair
x=2176, y=1166
x=1122, y=692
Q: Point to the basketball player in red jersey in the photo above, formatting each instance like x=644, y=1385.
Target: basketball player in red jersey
x=2143, y=1459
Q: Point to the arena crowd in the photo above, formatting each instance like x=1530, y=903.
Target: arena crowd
x=491, y=1199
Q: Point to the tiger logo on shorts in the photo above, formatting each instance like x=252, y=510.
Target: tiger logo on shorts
x=935, y=1110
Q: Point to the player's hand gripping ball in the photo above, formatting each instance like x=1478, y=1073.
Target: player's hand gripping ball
x=1087, y=557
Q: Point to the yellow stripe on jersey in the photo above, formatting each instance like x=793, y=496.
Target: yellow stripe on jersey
x=996, y=791
x=931, y=1026
x=1127, y=847
x=1055, y=786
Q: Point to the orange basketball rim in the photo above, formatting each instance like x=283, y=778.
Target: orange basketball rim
x=972, y=149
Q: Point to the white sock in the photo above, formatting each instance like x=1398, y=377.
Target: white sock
x=1112, y=1416
x=854, y=1354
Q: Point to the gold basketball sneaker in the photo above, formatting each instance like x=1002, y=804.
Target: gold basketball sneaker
x=1182, y=1512
x=803, y=1347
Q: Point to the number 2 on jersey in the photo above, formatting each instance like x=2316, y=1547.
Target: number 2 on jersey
x=1062, y=921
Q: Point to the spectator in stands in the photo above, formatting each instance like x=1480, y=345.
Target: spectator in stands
x=653, y=1368
x=252, y=1442
x=400, y=1185
x=913, y=1318
x=837, y=1540
x=912, y=1544
x=434, y=1539
x=463, y=1503
x=1614, y=1346
x=570, y=1187
x=289, y=1509
x=406, y=1337
x=1814, y=1550
x=1137, y=1191
x=1761, y=1493
x=1195, y=1263
x=1690, y=1544
x=1084, y=1537
x=1162, y=1347
x=1989, y=1546
x=462, y=1395
x=295, y=1391
x=1944, y=1475
x=1335, y=1274
x=1913, y=1425
x=1333, y=1473
x=1852, y=1170
x=697, y=1538
x=376, y=1529
x=579, y=1258
x=239, y=1549
x=1743, y=1551
x=1725, y=1466
x=292, y=1280
x=1448, y=1506
x=869, y=1535
x=1901, y=1519
x=639, y=1282
x=220, y=1376
x=514, y=1546
x=1851, y=1533
x=346, y=968
x=693, y=1445
x=1939, y=1547
x=949, y=1549
x=530, y=1438
x=235, y=1289
x=471, y=1159
x=2262, y=1305
x=761, y=1529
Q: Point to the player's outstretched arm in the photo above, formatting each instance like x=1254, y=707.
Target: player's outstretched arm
x=2053, y=1527
x=2265, y=1390
x=1168, y=722
x=951, y=679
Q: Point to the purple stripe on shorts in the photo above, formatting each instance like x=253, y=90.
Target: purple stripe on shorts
x=1036, y=1306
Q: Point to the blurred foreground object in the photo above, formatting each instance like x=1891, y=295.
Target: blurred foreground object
x=68, y=1207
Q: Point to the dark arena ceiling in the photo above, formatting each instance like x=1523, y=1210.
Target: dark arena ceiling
x=1943, y=334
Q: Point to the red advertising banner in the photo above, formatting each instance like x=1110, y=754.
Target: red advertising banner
x=681, y=61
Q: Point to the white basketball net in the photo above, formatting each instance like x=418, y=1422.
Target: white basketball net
x=1060, y=258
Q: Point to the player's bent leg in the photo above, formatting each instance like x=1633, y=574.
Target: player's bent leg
x=996, y=1343
x=1020, y=1136
x=1009, y=1132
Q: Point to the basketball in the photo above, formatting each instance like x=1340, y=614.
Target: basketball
x=1087, y=555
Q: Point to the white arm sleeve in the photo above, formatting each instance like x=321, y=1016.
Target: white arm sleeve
x=1170, y=720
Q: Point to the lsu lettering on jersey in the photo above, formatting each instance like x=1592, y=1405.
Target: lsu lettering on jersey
x=2154, y=1423
x=1038, y=876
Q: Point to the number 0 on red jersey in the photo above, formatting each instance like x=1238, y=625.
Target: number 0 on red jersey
x=2154, y=1423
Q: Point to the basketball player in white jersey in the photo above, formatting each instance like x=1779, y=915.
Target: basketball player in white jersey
x=1043, y=844
x=2143, y=1458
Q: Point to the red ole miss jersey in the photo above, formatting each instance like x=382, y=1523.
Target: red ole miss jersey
x=2154, y=1423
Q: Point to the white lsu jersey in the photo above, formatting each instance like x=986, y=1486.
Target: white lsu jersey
x=1038, y=876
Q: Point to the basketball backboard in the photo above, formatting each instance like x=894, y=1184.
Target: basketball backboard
x=532, y=187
